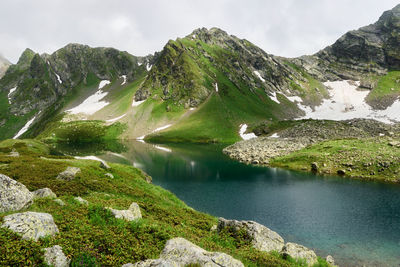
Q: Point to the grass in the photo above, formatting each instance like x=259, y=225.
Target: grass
x=388, y=87
x=89, y=235
x=365, y=158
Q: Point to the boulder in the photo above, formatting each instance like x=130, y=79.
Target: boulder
x=263, y=238
x=180, y=252
x=314, y=167
x=81, y=200
x=297, y=251
x=54, y=256
x=69, y=174
x=131, y=214
x=31, y=225
x=330, y=260
x=14, y=196
x=44, y=192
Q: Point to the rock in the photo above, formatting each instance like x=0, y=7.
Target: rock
x=180, y=252
x=31, y=225
x=54, y=256
x=341, y=172
x=314, y=167
x=330, y=260
x=109, y=175
x=214, y=228
x=297, y=251
x=104, y=165
x=81, y=200
x=262, y=237
x=14, y=154
x=59, y=202
x=14, y=196
x=69, y=174
x=131, y=214
x=44, y=192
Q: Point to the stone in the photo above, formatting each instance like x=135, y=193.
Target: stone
x=341, y=172
x=14, y=154
x=131, y=214
x=104, y=165
x=81, y=200
x=59, y=202
x=44, y=192
x=263, y=238
x=69, y=174
x=54, y=256
x=314, y=167
x=330, y=260
x=297, y=251
x=180, y=252
x=14, y=196
x=109, y=175
x=31, y=225
x=214, y=228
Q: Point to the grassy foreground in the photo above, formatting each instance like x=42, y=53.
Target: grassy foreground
x=90, y=233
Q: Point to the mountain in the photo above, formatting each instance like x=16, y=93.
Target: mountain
x=4, y=64
x=204, y=87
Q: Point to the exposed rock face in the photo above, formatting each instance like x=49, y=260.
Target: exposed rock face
x=31, y=225
x=4, y=64
x=44, y=192
x=131, y=214
x=297, y=251
x=69, y=174
x=81, y=200
x=181, y=252
x=54, y=256
x=262, y=237
x=13, y=195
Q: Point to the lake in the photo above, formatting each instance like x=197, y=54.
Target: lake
x=357, y=222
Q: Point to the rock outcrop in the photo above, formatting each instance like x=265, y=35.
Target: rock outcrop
x=14, y=196
x=69, y=174
x=55, y=257
x=31, y=225
x=262, y=238
x=131, y=214
x=297, y=251
x=181, y=252
x=44, y=192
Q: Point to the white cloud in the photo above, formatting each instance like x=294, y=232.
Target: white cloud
x=287, y=27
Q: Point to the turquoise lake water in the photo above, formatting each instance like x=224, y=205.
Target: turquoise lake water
x=357, y=222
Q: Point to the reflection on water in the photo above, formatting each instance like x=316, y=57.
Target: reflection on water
x=356, y=222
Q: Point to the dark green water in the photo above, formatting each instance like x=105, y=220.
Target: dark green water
x=356, y=222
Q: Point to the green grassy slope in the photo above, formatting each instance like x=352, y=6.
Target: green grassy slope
x=91, y=232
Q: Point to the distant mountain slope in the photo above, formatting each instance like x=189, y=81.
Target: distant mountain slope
x=4, y=64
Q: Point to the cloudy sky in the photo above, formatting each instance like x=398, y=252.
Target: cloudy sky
x=284, y=27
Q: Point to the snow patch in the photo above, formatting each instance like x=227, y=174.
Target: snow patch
x=148, y=67
x=12, y=90
x=162, y=128
x=163, y=148
x=274, y=98
x=275, y=135
x=137, y=103
x=216, y=87
x=346, y=102
x=243, y=128
x=58, y=78
x=124, y=77
x=259, y=76
x=117, y=118
x=103, y=83
x=294, y=99
x=91, y=105
x=25, y=128
x=139, y=63
x=91, y=158
x=191, y=108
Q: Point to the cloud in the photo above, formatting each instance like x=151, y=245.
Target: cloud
x=286, y=28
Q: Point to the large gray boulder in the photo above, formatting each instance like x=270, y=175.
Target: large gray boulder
x=31, y=225
x=14, y=196
x=262, y=238
x=44, y=192
x=54, y=256
x=131, y=214
x=180, y=252
x=297, y=251
x=69, y=174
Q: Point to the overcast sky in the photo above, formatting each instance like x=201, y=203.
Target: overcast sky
x=281, y=27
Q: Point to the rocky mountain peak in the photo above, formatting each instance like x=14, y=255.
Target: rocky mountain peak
x=26, y=58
